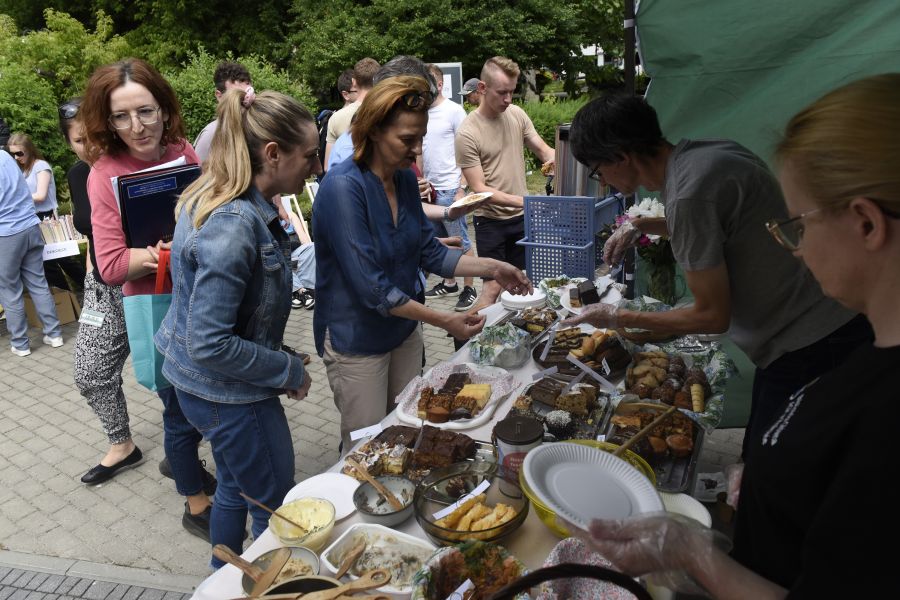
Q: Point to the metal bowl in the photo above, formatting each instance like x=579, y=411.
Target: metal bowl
x=375, y=509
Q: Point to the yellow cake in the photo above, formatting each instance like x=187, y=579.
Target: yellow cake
x=479, y=392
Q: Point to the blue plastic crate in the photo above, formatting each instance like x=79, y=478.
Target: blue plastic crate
x=552, y=260
x=567, y=220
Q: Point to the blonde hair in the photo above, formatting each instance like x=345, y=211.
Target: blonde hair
x=31, y=152
x=846, y=144
x=235, y=154
x=499, y=63
x=381, y=106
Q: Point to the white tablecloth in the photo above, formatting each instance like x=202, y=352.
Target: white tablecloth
x=531, y=543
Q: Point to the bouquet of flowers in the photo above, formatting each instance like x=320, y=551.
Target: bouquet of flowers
x=655, y=251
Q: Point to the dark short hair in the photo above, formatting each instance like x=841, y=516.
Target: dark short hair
x=345, y=81
x=609, y=127
x=404, y=64
x=230, y=71
x=363, y=72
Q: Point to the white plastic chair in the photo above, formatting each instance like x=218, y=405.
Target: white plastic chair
x=312, y=188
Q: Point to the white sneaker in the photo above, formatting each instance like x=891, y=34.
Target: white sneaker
x=53, y=342
x=18, y=352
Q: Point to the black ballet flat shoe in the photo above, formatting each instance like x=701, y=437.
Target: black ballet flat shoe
x=100, y=473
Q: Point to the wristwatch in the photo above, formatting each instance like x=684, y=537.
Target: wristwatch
x=447, y=214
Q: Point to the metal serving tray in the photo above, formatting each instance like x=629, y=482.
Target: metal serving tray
x=673, y=474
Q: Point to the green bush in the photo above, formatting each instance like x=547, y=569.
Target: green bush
x=28, y=105
x=193, y=85
x=546, y=116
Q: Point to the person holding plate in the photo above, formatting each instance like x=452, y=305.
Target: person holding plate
x=807, y=513
x=372, y=236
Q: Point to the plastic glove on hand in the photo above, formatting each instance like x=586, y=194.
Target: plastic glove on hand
x=623, y=238
x=599, y=315
x=663, y=547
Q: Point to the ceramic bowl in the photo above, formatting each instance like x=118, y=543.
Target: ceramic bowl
x=315, y=515
x=298, y=553
x=375, y=509
x=304, y=585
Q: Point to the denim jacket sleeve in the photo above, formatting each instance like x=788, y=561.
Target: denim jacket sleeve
x=226, y=254
x=351, y=241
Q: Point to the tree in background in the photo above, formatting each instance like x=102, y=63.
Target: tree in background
x=41, y=69
x=193, y=84
x=327, y=37
x=165, y=32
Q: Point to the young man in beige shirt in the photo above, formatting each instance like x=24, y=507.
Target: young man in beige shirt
x=490, y=147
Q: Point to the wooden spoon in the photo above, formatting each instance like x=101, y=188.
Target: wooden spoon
x=223, y=552
x=643, y=432
x=350, y=558
x=279, y=559
x=388, y=495
x=274, y=512
x=371, y=579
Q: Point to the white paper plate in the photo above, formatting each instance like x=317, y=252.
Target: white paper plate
x=334, y=487
x=580, y=483
x=688, y=506
x=535, y=299
x=472, y=199
x=613, y=297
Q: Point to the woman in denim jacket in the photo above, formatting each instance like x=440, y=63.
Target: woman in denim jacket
x=231, y=299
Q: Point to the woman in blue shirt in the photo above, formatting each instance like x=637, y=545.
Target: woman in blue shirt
x=231, y=298
x=372, y=238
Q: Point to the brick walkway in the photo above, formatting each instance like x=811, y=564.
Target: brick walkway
x=132, y=525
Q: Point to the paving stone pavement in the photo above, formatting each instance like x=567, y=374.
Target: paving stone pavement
x=49, y=437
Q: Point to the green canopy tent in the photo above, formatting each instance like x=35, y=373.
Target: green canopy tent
x=739, y=70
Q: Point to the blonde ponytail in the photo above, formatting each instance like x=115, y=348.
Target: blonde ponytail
x=234, y=156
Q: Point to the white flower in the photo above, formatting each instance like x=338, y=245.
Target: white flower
x=648, y=207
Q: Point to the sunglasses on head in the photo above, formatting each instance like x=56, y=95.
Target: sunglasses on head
x=68, y=111
x=416, y=99
x=17, y=153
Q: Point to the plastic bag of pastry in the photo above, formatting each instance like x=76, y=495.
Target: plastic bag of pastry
x=504, y=346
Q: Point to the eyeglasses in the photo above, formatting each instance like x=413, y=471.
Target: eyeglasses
x=416, y=99
x=68, y=111
x=789, y=233
x=17, y=153
x=146, y=115
x=595, y=175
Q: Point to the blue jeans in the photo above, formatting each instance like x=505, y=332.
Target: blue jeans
x=180, y=442
x=254, y=454
x=22, y=262
x=451, y=228
x=305, y=272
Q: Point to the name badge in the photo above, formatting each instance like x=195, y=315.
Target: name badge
x=91, y=317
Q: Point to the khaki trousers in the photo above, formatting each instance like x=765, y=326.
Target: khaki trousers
x=365, y=385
